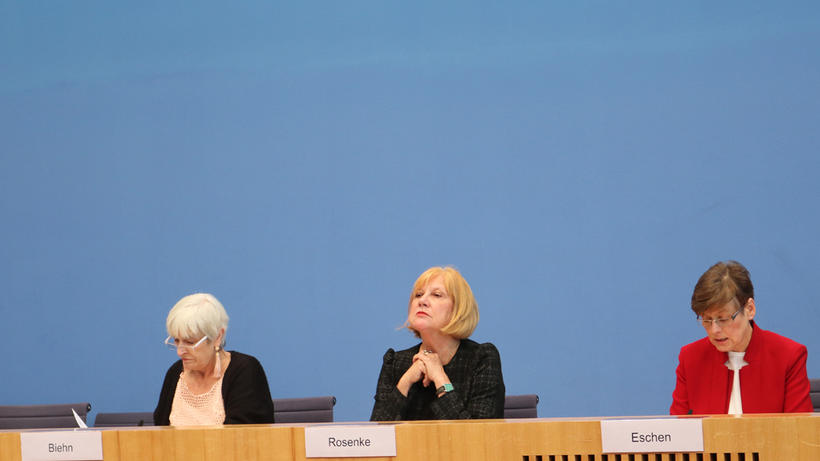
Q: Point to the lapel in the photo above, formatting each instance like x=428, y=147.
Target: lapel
x=721, y=381
x=751, y=374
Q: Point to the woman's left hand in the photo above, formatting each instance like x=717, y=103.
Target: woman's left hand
x=435, y=370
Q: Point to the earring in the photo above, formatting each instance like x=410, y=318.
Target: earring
x=218, y=366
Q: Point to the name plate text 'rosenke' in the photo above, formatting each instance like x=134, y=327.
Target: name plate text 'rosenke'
x=652, y=435
x=61, y=445
x=350, y=441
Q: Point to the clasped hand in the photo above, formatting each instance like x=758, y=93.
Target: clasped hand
x=426, y=368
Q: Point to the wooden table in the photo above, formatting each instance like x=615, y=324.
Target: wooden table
x=725, y=438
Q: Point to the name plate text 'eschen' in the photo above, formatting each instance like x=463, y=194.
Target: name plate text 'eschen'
x=652, y=435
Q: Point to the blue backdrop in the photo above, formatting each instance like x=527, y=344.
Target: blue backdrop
x=581, y=163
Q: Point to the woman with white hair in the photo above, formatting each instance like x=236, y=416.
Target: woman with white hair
x=209, y=385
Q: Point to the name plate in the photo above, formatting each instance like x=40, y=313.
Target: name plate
x=652, y=435
x=61, y=445
x=350, y=441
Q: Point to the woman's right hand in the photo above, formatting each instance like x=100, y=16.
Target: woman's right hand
x=413, y=375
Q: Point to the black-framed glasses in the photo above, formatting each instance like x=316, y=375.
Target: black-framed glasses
x=174, y=344
x=707, y=323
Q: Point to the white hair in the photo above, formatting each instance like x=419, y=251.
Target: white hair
x=195, y=316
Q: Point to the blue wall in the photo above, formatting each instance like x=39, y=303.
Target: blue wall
x=581, y=163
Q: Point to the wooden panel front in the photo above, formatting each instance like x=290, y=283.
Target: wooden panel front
x=747, y=438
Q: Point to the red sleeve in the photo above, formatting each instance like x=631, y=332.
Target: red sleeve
x=680, y=396
x=797, y=398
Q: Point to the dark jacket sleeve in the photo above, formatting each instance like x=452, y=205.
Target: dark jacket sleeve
x=245, y=392
x=390, y=403
x=486, y=391
x=162, y=413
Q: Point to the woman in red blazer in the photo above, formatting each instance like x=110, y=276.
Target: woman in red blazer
x=772, y=377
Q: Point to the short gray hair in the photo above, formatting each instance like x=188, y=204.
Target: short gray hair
x=195, y=316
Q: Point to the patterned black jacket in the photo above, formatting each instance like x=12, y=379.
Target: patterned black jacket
x=478, y=387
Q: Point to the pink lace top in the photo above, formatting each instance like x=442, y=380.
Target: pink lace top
x=189, y=409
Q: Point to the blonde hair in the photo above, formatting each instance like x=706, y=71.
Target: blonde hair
x=195, y=316
x=465, y=309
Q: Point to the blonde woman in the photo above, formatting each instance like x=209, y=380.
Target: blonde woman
x=446, y=376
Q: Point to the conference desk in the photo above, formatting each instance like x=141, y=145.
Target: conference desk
x=746, y=438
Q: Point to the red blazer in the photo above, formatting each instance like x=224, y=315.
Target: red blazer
x=774, y=381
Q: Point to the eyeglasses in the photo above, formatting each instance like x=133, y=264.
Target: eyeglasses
x=174, y=345
x=722, y=323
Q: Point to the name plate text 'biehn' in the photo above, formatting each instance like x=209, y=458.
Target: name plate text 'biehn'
x=366, y=440
x=61, y=445
x=652, y=435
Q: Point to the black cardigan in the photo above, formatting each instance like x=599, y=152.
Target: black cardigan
x=245, y=392
x=478, y=387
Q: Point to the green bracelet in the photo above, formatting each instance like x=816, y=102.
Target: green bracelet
x=444, y=389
